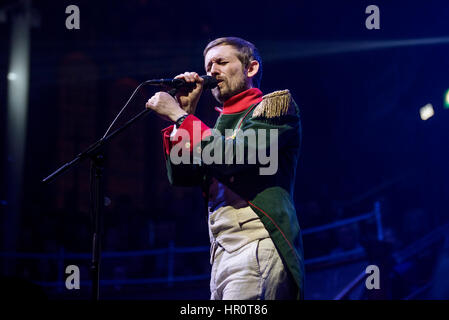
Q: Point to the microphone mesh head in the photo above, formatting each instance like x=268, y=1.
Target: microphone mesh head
x=209, y=82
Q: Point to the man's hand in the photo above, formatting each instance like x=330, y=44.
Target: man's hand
x=165, y=106
x=189, y=99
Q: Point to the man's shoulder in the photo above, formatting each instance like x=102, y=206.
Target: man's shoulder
x=276, y=104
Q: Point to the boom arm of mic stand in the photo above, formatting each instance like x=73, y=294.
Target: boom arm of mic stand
x=92, y=149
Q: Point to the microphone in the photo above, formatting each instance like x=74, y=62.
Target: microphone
x=209, y=83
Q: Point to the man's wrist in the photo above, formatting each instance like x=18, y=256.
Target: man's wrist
x=177, y=115
x=180, y=119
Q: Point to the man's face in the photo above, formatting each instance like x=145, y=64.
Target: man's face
x=223, y=63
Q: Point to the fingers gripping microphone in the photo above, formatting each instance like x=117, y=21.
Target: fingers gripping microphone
x=209, y=83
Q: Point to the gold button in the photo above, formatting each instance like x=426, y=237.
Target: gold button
x=198, y=149
x=187, y=145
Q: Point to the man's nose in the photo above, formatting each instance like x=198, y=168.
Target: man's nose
x=214, y=70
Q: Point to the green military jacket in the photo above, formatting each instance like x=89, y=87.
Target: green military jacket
x=269, y=195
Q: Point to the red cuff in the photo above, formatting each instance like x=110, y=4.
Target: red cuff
x=196, y=131
x=166, y=139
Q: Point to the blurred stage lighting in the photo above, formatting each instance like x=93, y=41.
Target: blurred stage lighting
x=12, y=76
x=446, y=99
x=426, y=112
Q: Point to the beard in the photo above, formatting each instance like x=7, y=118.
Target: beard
x=228, y=90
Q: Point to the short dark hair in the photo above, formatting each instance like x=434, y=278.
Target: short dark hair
x=246, y=53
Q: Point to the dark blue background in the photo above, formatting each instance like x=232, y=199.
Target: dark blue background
x=363, y=139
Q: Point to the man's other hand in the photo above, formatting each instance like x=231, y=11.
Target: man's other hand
x=165, y=106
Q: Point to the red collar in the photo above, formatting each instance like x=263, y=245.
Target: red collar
x=242, y=101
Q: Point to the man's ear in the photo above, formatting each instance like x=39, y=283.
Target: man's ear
x=253, y=68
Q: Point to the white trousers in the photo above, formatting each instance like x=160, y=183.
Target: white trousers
x=253, y=272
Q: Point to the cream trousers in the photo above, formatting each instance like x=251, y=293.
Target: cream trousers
x=245, y=262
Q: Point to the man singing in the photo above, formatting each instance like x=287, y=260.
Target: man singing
x=256, y=246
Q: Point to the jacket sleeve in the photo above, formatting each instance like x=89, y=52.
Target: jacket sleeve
x=182, y=169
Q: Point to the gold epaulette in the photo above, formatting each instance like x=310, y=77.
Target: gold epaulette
x=274, y=104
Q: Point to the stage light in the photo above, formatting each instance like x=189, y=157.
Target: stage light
x=12, y=76
x=446, y=99
x=426, y=112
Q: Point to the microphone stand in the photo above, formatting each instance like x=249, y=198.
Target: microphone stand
x=96, y=157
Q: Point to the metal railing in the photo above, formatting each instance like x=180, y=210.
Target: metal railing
x=366, y=216
x=407, y=253
x=171, y=251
